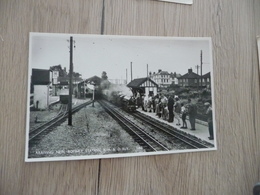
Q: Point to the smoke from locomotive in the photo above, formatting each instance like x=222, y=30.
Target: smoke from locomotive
x=121, y=96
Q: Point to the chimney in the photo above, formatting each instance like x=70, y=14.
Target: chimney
x=159, y=70
x=190, y=70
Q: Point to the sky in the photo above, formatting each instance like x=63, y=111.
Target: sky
x=94, y=54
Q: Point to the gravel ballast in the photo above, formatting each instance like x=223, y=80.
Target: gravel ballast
x=93, y=132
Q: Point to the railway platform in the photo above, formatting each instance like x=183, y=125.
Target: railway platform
x=201, y=126
x=54, y=99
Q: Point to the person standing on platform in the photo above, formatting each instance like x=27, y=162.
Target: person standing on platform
x=177, y=110
x=145, y=103
x=209, y=119
x=192, y=111
x=183, y=116
x=150, y=103
x=138, y=100
x=154, y=102
x=158, y=106
x=164, y=103
x=170, y=108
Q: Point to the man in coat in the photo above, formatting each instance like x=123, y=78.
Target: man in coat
x=209, y=119
x=170, y=108
x=192, y=111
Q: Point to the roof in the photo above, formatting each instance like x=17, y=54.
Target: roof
x=56, y=67
x=40, y=77
x=162, y=73
x=207, y=75
x=137, y=82
x=95, y=79
x=190, y=75
x=175, y=76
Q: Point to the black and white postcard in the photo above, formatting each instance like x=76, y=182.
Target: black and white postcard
x=107, y=96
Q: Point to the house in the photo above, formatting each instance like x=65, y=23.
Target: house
x=206, y=80
x=145, y=86
x=60, y=79
x=162, y=78
x=190, y=79
x=175, y=78
x=40, y=88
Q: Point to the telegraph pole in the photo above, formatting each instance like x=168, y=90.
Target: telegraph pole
x=126, y=75
x=147, y=71
x=131, y=72
x=70, y=84
x=197, y=67
x=201, y=67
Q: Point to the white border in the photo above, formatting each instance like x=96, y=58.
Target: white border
x=124, y=154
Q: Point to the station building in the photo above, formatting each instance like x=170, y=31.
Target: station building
x=85, y=88
x=144, y=86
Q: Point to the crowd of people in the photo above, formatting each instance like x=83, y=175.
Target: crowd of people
x=171, y=108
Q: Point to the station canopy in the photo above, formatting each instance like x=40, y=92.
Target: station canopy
x=95, y=79
x=142, y=82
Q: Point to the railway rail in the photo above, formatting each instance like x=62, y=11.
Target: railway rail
x=148, y=142
x=35, y=134
x=194, y=143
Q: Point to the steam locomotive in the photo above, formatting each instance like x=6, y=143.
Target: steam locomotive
x=127, y=103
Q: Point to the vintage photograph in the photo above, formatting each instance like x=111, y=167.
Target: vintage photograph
x=108, y=96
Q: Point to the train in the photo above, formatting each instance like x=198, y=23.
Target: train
x=126, y=102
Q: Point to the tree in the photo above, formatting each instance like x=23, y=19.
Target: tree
x=104, y=75
x=104, y=83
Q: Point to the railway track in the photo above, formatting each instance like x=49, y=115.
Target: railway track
x=145, y=140
x=36, y=133
x=170, y=132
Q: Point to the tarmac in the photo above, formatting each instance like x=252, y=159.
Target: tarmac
x=201, y=131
